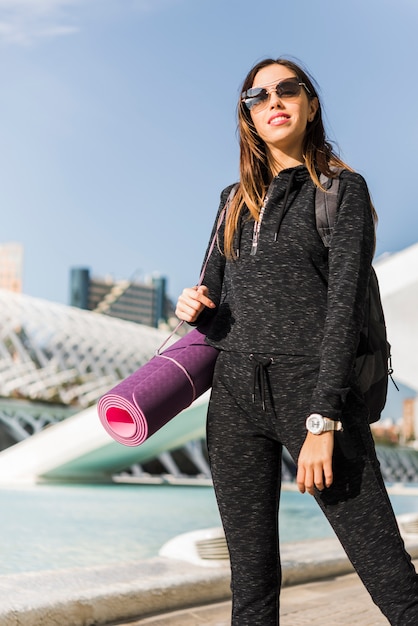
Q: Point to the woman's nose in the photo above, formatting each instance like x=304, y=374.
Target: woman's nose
x=274, y=99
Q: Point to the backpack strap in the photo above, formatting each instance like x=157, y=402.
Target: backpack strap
x=326, y=204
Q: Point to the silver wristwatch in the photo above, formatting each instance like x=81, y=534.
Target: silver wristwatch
x=317, y=424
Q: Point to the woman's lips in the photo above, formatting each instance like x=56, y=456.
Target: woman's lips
x=278, y=118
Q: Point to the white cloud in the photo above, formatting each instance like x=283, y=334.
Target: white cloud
x=25, y=21
x=36, y=6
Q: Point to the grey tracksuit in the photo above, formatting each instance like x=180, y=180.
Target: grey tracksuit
x=287, y=323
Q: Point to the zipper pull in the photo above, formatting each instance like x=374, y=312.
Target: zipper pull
x=256, y=234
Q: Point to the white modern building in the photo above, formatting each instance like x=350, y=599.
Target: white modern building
x=398, y=280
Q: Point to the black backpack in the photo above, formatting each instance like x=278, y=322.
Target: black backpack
x=373, y=362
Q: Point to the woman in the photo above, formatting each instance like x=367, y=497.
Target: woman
x=286, y=313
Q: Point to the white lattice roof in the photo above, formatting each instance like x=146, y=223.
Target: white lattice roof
x=54, y=352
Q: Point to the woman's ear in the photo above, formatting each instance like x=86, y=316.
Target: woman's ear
x=313, y=108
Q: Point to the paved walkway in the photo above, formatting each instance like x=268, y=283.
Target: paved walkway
x=339, y=601
x=320, y=589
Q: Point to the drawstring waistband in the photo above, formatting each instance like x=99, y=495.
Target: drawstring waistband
x=260, y=365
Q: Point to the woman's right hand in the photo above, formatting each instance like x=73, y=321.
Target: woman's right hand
x=191, y=303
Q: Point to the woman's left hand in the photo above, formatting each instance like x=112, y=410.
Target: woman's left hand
x=315, y=462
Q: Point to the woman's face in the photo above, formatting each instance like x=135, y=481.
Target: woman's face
x=281, y=121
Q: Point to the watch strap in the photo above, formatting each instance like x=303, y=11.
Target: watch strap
x=326, y=423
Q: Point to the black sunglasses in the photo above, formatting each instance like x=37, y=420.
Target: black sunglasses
x=286, y=88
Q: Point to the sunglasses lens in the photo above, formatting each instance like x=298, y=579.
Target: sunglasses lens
x=253, y=97
x=288, y=88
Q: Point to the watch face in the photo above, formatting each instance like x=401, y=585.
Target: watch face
x=315, y=424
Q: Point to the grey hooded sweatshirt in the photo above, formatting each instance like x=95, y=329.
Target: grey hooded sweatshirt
x=289, y=295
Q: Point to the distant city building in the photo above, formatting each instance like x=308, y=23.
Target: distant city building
x=409, y=419
x=142, y=303
x=11, y=266
x=386, y=432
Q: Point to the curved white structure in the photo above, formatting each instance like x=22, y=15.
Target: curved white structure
x=398, y=280
x=80, y=449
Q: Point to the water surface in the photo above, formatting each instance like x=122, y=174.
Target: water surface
x=60, y=526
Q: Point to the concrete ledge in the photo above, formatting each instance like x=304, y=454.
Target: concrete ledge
x=100, y=595
x=86, y=596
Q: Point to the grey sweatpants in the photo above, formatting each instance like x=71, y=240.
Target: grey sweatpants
x=245, y=444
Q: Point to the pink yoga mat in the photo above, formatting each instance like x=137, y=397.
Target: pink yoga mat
x=145, y=401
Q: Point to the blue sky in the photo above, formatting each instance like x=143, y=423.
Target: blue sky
x=118, y=127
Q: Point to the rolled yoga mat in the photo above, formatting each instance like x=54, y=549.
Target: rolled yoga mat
x=145, y=401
